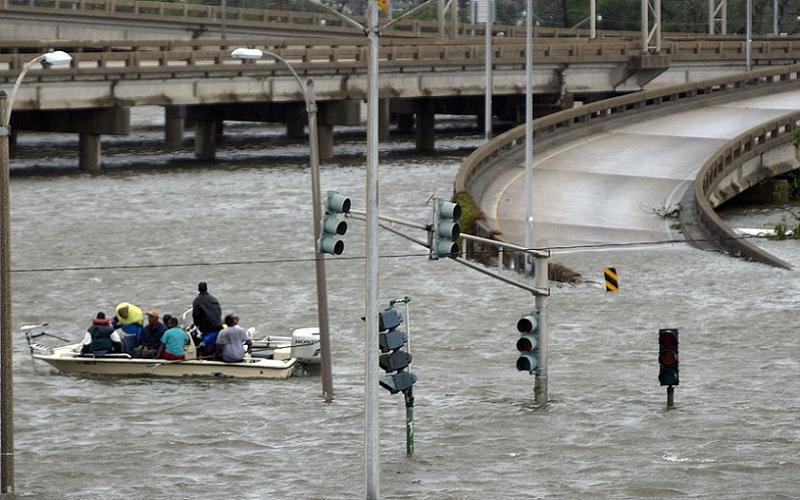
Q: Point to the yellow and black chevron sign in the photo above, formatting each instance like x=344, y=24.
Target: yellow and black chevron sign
x=384, y=5
x=612, y=280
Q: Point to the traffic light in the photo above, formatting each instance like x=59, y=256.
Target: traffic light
x=668, y=356
x=528, y=343
x=445, y=229
x=394, y=360
x=333, y=225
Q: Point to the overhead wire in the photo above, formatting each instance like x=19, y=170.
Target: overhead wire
x=553, y=249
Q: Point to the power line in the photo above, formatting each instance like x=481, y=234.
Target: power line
x=588, y=246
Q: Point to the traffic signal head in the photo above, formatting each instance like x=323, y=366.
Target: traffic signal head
x=528, y=343
x=333, y=225
x=668, y=356
x=398, y=382
x=394, y=359
x=445, y=229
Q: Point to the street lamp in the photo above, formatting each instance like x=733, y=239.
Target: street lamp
x=593, y=20
x=6, y=395
x=55, y=58
x=246, y=54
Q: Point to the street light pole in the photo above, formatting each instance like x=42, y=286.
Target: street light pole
x=487, y=104
x=316, y=196
x=6, y=372
x=749, y=43
x=6, y=362
x=528, y=226
x=372, y=462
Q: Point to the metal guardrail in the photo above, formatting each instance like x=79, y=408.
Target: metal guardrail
x=567, y=124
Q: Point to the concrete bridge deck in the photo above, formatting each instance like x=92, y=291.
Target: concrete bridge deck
x=612, y=186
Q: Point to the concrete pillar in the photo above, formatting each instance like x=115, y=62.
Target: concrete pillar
x=384, y=118
x=405, y=122
x=325, y=136
x=174, y=117
x=296, y=123
x=205, y=140
x=89, y=153
x=426, y=139
x=219, y=127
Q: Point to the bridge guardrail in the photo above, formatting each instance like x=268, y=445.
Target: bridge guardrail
x=726, y=161
x=234, y=16
x=350, y=53
x=568, y=124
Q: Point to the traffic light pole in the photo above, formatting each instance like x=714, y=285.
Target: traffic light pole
x=541, y=281
x=319, y=259
x=670, y=396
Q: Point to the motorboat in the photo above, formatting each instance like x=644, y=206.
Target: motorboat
x=273, y=357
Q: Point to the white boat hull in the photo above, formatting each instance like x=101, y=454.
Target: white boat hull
x=66, y=360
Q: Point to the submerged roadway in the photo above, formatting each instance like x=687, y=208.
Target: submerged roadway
x=616, y=186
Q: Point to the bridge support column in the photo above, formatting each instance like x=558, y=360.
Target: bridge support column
x=335, y=113
x=205, y=140
x=296, y=122
x=174, y=117
x=219, y=129
x=405, y=122
x=384, y=118
x=89, y=124
x=325, y=138
x=89, y=153
x=425, y=137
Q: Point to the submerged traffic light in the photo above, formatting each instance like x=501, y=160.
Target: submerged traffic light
x=668, y=356
x=333, y=225
x=528, y=343
x=445, y=229
x=394, y=360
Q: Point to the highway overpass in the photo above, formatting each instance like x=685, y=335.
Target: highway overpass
x=607, y=173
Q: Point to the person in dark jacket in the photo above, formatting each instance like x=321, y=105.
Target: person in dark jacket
x=207, y=317
x=101, y=338
x=151, y=335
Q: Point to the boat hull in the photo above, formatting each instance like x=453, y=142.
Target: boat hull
x=250, y=369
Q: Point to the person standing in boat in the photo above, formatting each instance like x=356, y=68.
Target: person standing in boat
x=173, y=342
x=101, y=338
x=129, y=319
x=231, y=341
x=151, y=335
x=207, y=317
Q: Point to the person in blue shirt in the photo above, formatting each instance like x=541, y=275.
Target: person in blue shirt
x=173, y=342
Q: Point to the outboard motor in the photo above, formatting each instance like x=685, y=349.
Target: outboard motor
x=305, y=345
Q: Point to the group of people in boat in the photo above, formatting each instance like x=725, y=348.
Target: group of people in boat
x=163, y=338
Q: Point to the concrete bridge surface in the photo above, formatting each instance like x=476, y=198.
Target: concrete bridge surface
x=611, y=186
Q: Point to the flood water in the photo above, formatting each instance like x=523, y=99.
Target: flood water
x=244, y=226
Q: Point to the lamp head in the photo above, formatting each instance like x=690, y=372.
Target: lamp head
x=55, y=58
x=247, y=54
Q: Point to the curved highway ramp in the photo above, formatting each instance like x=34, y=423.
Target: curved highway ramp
x=615, y=186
